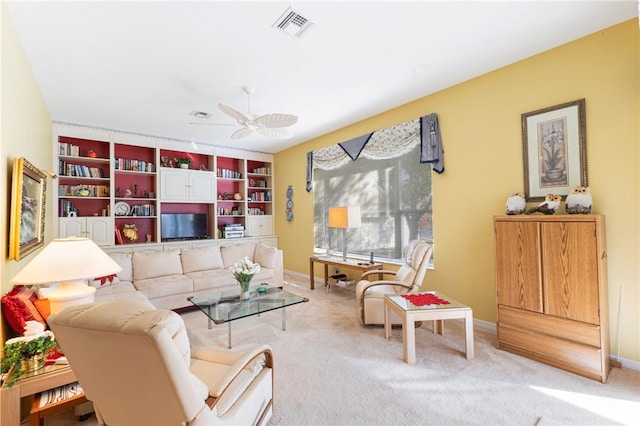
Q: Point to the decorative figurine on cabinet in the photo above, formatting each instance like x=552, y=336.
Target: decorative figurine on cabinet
x=516, y=204
x=579, y=200
x=130, y=231
x=548, y=206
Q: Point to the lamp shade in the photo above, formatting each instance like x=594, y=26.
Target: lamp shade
x=69, y=261
x=344, y=217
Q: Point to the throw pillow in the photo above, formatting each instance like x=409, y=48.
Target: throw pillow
x=156, y=264
x=100, y=282
x=266, y=256
x=232, y=254
x=18, y=307
x=201, y=259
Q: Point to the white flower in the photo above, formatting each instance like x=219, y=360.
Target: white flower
x=244, y=269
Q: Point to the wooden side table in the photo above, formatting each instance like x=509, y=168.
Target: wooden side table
x=52, y=377
x=410, y=313
x=337, y=261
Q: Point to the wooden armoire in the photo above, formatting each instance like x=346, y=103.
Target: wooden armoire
x=551, y=290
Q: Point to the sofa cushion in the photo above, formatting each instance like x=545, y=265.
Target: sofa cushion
x=165, y=286
x=156, y=264
x=124, y=260
x=234, y=253
x=201, y=259
x=266, y=256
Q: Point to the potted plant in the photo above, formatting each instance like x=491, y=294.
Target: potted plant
x=183, y=163
x=24, y=354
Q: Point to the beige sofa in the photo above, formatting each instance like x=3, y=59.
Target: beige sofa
x=166, y=277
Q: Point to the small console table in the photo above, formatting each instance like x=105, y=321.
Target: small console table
x=47, y=378
x=337, y=261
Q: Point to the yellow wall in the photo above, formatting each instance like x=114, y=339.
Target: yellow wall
x=25, y=131
x=480, y=123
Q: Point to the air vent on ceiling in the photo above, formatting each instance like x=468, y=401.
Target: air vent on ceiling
x=200, y=114
x=292, y=23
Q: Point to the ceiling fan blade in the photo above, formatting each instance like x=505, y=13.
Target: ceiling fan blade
x=276, y=120
x=212, y=124
x=241, y=133
x=275, y=132
x=242, y=119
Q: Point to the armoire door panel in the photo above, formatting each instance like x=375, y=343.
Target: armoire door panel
x=570, y=275
x=518, y=272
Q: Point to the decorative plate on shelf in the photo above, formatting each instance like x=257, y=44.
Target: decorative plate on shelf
x=122, y=209
x=289, y=192
x=289, y=215
x=289, y=204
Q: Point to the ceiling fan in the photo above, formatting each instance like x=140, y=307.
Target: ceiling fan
x=269, y=125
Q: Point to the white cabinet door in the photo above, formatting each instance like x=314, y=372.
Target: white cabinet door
x=100, y=229
x=72, y=226
x=187, y=185
x=258, y=225
x=174, y=185
x=202, y=186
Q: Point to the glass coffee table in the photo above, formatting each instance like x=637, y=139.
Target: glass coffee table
x=226, y=306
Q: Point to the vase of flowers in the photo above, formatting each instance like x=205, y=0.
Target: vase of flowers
x=243, y=271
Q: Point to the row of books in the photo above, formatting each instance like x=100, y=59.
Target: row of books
x=68, y=149
x=234, y=211
x=228, y=174
x=68, y=169
x=257, y=183
x=143, y=210
x=83, y=190
x=260, y=196
x=134, y=165
x=255, y=211
x=262, y=170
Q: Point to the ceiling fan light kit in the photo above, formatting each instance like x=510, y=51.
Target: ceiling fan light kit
x=269, y=125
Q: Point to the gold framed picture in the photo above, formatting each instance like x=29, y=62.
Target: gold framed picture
x=28, y=199
x=555, y=150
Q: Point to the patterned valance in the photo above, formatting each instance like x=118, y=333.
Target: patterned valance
x=383, y=144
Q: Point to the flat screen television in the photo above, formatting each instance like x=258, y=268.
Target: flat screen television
x=183, y=226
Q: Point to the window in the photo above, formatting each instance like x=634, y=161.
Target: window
x=395, y=202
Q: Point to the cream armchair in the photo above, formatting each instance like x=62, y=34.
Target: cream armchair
x=135, y=363
x=407, y=279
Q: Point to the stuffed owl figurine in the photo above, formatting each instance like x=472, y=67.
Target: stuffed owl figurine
x=130, y=231
x=516, y=204
x=548, y=206
x=579, y=200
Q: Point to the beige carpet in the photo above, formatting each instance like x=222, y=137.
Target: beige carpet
x=330, y=370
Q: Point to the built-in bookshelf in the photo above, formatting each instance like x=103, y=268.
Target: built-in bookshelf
x=109, y=181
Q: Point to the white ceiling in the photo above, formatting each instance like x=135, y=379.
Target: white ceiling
x=143, y=66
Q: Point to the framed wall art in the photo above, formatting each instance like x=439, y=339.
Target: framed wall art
x=28, y=198
x=554, y=149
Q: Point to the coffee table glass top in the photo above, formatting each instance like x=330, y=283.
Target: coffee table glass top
x=407, y=305
x=225, y=306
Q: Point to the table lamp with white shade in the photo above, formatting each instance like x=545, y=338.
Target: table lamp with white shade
x=70, y=262
x=344, y=218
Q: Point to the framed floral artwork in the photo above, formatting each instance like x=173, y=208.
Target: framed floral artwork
x=554, y=150
x=28, y=197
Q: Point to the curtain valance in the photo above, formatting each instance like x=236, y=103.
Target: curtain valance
x=383, y=144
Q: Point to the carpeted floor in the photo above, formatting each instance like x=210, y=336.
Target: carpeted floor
x=330, y=370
